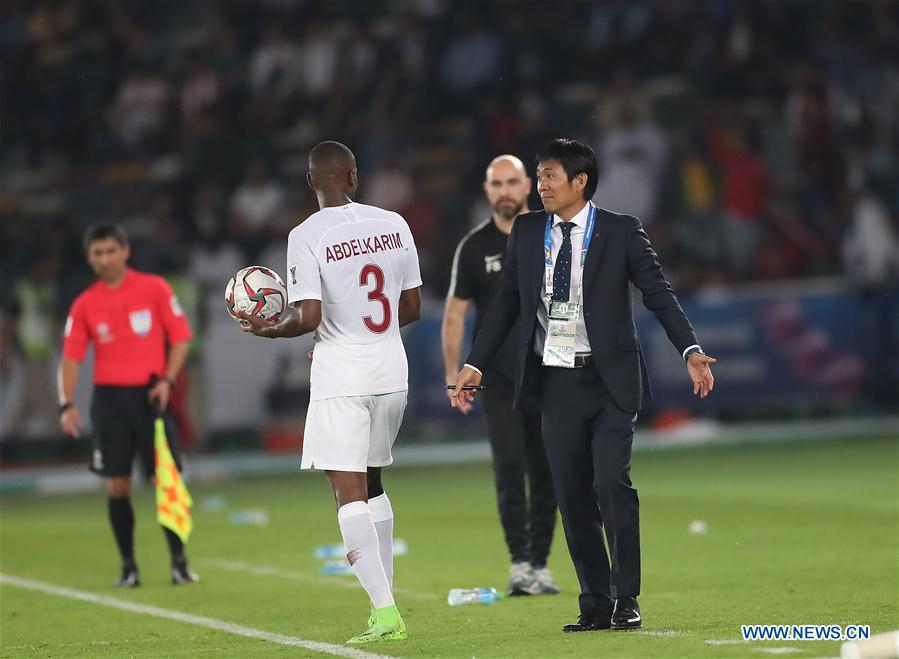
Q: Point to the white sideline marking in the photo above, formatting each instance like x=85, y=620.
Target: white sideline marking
x=190, y=619
x=725, y=641
x=661, y=633
x=783, y=650
x=266, y=571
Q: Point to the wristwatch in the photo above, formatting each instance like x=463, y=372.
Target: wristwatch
x=65, y=406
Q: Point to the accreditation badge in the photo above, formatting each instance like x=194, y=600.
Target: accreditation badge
x=558, y=350
x=559, y=310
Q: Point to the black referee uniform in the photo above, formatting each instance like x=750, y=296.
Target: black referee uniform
x=524, y=488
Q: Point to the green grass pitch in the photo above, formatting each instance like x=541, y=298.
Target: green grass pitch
x=797, y=533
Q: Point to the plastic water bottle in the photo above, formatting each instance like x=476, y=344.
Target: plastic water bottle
x=255, y=517
x=331, y=568
x=459, y=596
x=324, y=552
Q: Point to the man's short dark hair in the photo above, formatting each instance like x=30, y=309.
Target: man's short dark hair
x=575, y=158
x=104, y=230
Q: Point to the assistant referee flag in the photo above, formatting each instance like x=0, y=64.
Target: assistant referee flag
x=173, y=501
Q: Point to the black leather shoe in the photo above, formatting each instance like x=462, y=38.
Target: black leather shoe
x=589, y=622
x=626, y=614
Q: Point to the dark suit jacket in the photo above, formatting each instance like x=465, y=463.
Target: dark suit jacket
x=619, y=254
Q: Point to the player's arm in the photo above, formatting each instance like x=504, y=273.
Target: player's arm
x=410, y=306
x=410, y=284
x=299, y=318
x=458, y=299
x=76, y=338
x=452, y=332
x=66, y=380
x=178, y=334
x=161, y=392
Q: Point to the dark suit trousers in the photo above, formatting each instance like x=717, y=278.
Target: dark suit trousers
x=524, y=487
x=588, y=442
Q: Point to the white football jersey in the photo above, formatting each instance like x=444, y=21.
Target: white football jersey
x=356, y=259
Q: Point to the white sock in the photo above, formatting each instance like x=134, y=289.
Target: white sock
x=361, y=543
x=382, y=514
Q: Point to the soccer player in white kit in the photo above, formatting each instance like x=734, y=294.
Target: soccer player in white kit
x=353, y=279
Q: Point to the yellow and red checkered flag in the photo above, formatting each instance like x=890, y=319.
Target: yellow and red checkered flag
x=173, y=501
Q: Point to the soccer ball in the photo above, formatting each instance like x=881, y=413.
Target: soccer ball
x=257, y=290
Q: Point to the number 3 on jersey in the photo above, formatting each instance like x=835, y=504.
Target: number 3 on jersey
x=375, y=295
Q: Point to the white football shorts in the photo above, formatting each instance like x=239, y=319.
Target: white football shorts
x=352, y=433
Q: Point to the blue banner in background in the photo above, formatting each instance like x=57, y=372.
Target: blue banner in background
x=779, y=352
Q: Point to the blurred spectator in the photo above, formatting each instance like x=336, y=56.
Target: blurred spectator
x=140, y=107
x=389, y=187
x=358, y=62
x=473, y=55
x=319, y=59
x=50, y=28
x=871, y=257
x=226, y=58
x=698, y=233
x=424, y=221
x=256, y=206
x=409, y=41
x=35, y=299
x=209, y=210
x=822, y=163
x=276, y=65
x=159, y=239
x=631, y=156
x=746, y=188
x=211, y=263
x=200, y=89
x=871, y=245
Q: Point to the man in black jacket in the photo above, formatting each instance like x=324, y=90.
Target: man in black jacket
x=566, y=280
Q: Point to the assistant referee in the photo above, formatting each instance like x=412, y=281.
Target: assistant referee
x=140, y=337
x=524, y=488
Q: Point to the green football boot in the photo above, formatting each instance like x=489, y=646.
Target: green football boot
x=386, y=624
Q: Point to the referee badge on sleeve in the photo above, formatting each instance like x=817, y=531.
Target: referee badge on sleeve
x=176, y=306
x=141, y=322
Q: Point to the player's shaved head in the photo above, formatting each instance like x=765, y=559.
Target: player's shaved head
x=331, y=158
x=506, y=159
x=332, y=173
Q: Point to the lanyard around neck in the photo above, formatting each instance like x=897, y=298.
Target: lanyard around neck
x=548, y=248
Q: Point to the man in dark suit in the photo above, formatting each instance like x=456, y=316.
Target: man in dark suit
x=567, y=281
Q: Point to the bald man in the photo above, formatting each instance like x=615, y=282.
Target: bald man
x=353, y=279
x=527, y=514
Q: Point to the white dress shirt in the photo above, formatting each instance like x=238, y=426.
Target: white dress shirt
x=581, y=342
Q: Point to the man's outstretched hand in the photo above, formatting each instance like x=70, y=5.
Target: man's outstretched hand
x=698, y=367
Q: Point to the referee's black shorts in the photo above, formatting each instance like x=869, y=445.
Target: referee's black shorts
x=124, y=423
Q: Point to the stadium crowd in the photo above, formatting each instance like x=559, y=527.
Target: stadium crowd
x=757, y=141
